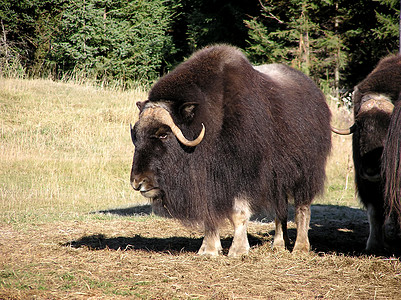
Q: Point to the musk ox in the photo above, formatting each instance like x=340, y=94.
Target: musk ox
x=219, y=140
x=376, y=146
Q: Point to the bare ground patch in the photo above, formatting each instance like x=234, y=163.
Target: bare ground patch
x=147, y=257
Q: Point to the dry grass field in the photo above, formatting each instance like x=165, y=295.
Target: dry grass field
x=71, y=227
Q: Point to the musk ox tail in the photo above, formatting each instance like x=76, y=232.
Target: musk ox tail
x=391, y=164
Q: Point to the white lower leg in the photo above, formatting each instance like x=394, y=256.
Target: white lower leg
x=302, y=220
x=280, y=235
x=239, y=219
x=211, y=244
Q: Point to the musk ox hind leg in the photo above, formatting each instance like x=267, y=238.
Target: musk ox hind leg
x=211, y=245
x=281, y=240
x=239, y=219
x=302, y=220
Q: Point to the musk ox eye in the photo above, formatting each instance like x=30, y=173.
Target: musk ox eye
x=159, y=136
x=161, y=133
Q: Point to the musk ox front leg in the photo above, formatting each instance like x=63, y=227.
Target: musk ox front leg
x=375, y=243
x=211, y=245
x=239, y=219
x=302, y=220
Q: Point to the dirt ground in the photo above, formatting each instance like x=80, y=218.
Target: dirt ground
x=333, y=229
x=129, y=254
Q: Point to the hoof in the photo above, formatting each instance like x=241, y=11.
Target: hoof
x=278, y=244
x=378, y=250
x=209, y=252
x=233, y=252
x=305, y=247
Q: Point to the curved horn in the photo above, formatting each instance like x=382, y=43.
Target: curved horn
x=177, y=132
x=163, y=116
x=379, y=102
x=344, y=131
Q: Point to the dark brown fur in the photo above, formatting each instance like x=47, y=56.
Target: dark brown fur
x=267, y=138
x=392, y=164
x=375, y=168
x=392, y=150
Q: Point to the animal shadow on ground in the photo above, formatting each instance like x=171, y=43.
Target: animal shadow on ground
x=333, y=229
x=173, y=245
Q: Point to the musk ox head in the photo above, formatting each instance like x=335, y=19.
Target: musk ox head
x=154, y=135
x=372, y=114
x=370, y=131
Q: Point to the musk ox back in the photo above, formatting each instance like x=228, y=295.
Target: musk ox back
x=218, y=140
x=375, y=136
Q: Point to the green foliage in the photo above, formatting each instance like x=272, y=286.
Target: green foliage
x=294, y=32
x=216, y=21
x=114, y=40
x=27, y=30
x=10, y=62
x=329, y=40
x=365, y=48
x=337, y=42
x=388, y=20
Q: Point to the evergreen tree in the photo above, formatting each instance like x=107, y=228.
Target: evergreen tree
x=27, y=27
x=388, y=22
x=365, y=48
x=293, y=32
x=337, y=42
x=199, y=23
x=114, y=40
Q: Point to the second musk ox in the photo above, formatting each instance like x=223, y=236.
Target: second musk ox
x=376, y=146
x=219, y=140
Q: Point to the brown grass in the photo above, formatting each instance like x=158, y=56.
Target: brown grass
x=152, y=258
x=65, y=154
x=65, y=148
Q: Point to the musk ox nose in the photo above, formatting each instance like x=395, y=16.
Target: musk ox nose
x=139, y=182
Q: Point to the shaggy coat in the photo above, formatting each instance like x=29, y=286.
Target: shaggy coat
x=377, y=128
x=267, y=138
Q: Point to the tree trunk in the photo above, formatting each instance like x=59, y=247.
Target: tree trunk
x=337, y=59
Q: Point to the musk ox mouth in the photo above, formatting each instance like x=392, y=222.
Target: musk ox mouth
x=145, y=186
x=151, y=193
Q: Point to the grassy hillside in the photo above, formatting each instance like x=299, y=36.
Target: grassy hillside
x=65, y=149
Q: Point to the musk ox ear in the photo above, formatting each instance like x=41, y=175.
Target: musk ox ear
x=187, y=111
x=141, y=104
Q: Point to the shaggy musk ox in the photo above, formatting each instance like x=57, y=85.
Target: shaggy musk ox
x=218, y=140
x=376, y=146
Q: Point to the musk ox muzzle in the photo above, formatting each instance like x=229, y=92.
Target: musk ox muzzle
x=144, y=184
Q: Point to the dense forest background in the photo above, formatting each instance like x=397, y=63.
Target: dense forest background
x=336, y=42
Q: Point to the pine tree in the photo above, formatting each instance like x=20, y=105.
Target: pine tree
x=114, y=40
x=334, y=41
x=388, y=21
x=27, y=28
x=293, y=32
